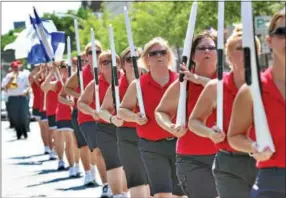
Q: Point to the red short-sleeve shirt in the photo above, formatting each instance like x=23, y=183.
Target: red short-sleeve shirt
x=152, y=93
x=274, y=105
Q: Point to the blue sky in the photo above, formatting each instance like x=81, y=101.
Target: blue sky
x=19, y=11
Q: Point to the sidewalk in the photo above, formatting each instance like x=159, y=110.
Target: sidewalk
x=26, y=172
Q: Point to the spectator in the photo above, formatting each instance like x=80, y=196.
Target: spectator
x=17, y=86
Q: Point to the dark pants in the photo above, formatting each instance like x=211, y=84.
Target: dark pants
x=19, y=114
x=159, y=159
x=234, y=174
x=195, y=175
x=130, y=157
x=270, y=183
x=8, y=109
x=29, y=113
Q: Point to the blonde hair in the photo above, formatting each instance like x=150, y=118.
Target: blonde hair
x=156, y=41
x=237, y=36
x=88, y=46
x=275, y=18
x=107, y=54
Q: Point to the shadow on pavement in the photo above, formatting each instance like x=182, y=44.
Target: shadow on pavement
x=29, y=163
x=48, y=171
x=26, y=157
x=51, y=181
x=13, y=140
x=78, y=188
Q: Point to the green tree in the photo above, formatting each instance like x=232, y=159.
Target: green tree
x=9, y=37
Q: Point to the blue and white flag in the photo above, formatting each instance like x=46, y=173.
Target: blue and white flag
x=29, y=43
x=52, y=43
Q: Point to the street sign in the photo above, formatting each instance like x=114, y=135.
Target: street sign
x=261, y=29
x=261, y=24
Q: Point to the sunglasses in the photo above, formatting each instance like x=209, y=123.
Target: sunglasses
x=84, y=61
x=62, y=66
x=157, y=53
x=128, y=59
x=97, y=52
x=203, y=48
x=238, y=48
x=281, y=31
x=106, y=62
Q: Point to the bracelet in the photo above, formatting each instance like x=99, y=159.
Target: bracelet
x=110, y=119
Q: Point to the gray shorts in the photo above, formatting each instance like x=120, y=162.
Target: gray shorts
x=195, y=175
x=107, y=143
x=64, y=125
x=270, y=183
x=36, y=114
x=52, y=122
x=43, y=116
x=159, y=159
x=80, y=139
x=89, y=130
x=234, y=174
x=130, y=156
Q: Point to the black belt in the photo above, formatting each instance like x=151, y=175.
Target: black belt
x=236, y=153
x=161, y=140
x=19, y=96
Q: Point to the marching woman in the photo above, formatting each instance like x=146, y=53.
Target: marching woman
x=87, y=124
x=270, y=180
x=157, y=146
x=37, y=92
x=64, y=126
x=39, y=78
x=62, y=97
x=234, y=171
x=105, y=132
x=50, y=87
x=194, y=154
x=127, y=138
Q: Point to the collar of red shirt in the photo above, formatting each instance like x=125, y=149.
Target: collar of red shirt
x=172, y=77
x=269, y=86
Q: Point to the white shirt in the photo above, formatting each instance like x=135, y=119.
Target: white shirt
x=22, y=83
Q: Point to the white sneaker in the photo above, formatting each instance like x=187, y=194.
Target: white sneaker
x=77, y=170
x=72, y=172
x=61, y=165
x=47, y=150
x=106, y=191
x=95, y=175
x=88, y=180
x=53, y=155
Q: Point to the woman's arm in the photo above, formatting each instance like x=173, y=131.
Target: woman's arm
x=107, y=106
x=241, y=120
x=47, y=85
x=62, y=98
x=37, y=76
x=71, y=85
x=202, y=110
x=195, y=78
x=85, y=99
x=128, y=103
x=167, y=108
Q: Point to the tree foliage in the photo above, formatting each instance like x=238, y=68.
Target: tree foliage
x=148, y=19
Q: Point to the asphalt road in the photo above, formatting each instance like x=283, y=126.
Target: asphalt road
x=26, y=172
